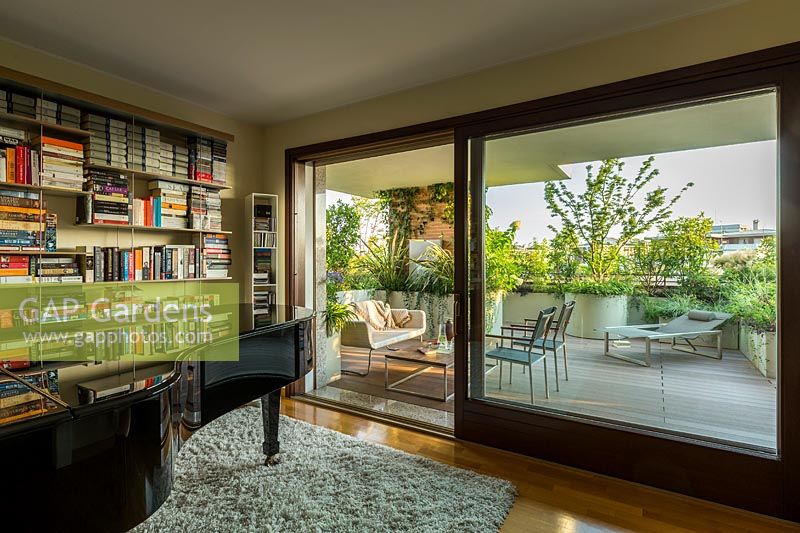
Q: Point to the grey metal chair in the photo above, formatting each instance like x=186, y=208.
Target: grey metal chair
x=528, y=356
x=557, y=342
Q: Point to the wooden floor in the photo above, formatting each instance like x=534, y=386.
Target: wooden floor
x=720, y=399
x=553, y=498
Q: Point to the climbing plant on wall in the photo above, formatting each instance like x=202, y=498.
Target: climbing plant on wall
x=408, y=210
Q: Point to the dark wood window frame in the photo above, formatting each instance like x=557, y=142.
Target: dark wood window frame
x=754, y=481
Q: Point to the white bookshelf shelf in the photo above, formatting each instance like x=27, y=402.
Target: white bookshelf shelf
x=258, y=290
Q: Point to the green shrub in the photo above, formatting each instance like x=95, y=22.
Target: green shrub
x=613, y=287
x=386, y=264
x=754, y=302
x=676, y=304
x=436, y=272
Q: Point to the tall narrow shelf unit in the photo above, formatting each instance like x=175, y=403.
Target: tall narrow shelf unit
x=262, y=221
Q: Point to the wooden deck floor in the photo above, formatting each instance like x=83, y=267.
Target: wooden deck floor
x=720, y=399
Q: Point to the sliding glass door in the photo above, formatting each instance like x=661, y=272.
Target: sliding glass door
x=621, y=263
x=628, y=270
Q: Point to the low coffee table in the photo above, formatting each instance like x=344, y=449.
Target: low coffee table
x=412, y=355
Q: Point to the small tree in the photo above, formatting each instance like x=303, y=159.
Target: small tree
x=534, y=262
x=609, y=214
x=682, y=250
x=342, y=229
x=502, y=271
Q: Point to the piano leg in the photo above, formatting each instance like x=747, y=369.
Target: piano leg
x=270, y=415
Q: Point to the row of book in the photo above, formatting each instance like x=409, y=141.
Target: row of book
x=205, y=207
x=262, y=265
x=39, y=109
x=114, y=142
x=25, y=224
x=109, y=201
x=33, y=268
x=207, y=160
x=265, y=240
x=161, y=262
x=264, y=301
x=19, y=164
x=262, y=218
x=18, y=401
x=62, y=163
x=216, y=255
x=174, y=160
x=144, y=148
x=170, y=205
x=57, y=113
x=107, y=143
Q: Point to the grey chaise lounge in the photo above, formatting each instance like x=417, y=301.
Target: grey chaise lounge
x=686, y=327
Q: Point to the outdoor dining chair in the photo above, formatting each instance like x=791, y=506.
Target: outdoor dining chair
x=534, y=350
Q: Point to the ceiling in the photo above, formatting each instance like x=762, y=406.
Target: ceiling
x=267, y=61
x=534, y=157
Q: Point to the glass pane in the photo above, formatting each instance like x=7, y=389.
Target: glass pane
x=628, y=269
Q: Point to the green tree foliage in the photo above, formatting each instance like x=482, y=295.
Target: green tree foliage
x=682, y=250
x=612, y=211
x=534, y=263
x=502, y=270
x=342, y=228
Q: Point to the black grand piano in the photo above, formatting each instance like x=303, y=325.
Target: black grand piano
x=100, y=454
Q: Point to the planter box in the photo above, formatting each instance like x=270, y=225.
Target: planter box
x=593, y=312
x=518, y=306
x=761, y=348
x=437, y=308
x=329, y=360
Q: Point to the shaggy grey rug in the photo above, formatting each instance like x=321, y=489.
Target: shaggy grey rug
x=326, y=481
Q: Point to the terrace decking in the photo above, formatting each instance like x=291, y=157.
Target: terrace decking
x=720, y=399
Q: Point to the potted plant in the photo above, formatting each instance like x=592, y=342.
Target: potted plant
x=754, y=302
x=750, y=288
x=598, y=304
x=329, y=363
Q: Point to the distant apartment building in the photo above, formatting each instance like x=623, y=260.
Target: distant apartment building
x=735, y=237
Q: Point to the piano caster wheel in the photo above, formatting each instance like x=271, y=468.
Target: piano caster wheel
x=272, y=460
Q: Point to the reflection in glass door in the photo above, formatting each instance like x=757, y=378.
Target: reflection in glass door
x=624, y=270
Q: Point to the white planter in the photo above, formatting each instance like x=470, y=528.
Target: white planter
x=518, y=306
x=593, y=312
x=494, y=314
x=437, y=308
x=359, y=295
x=329, y=363
x=761, y=348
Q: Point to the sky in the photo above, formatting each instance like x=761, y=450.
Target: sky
x=732, y=185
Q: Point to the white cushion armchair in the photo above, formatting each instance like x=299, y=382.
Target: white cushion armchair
x=361, y=334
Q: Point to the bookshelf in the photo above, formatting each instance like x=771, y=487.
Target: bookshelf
x=92, y=154
x=262, y=224
x=78, y=151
